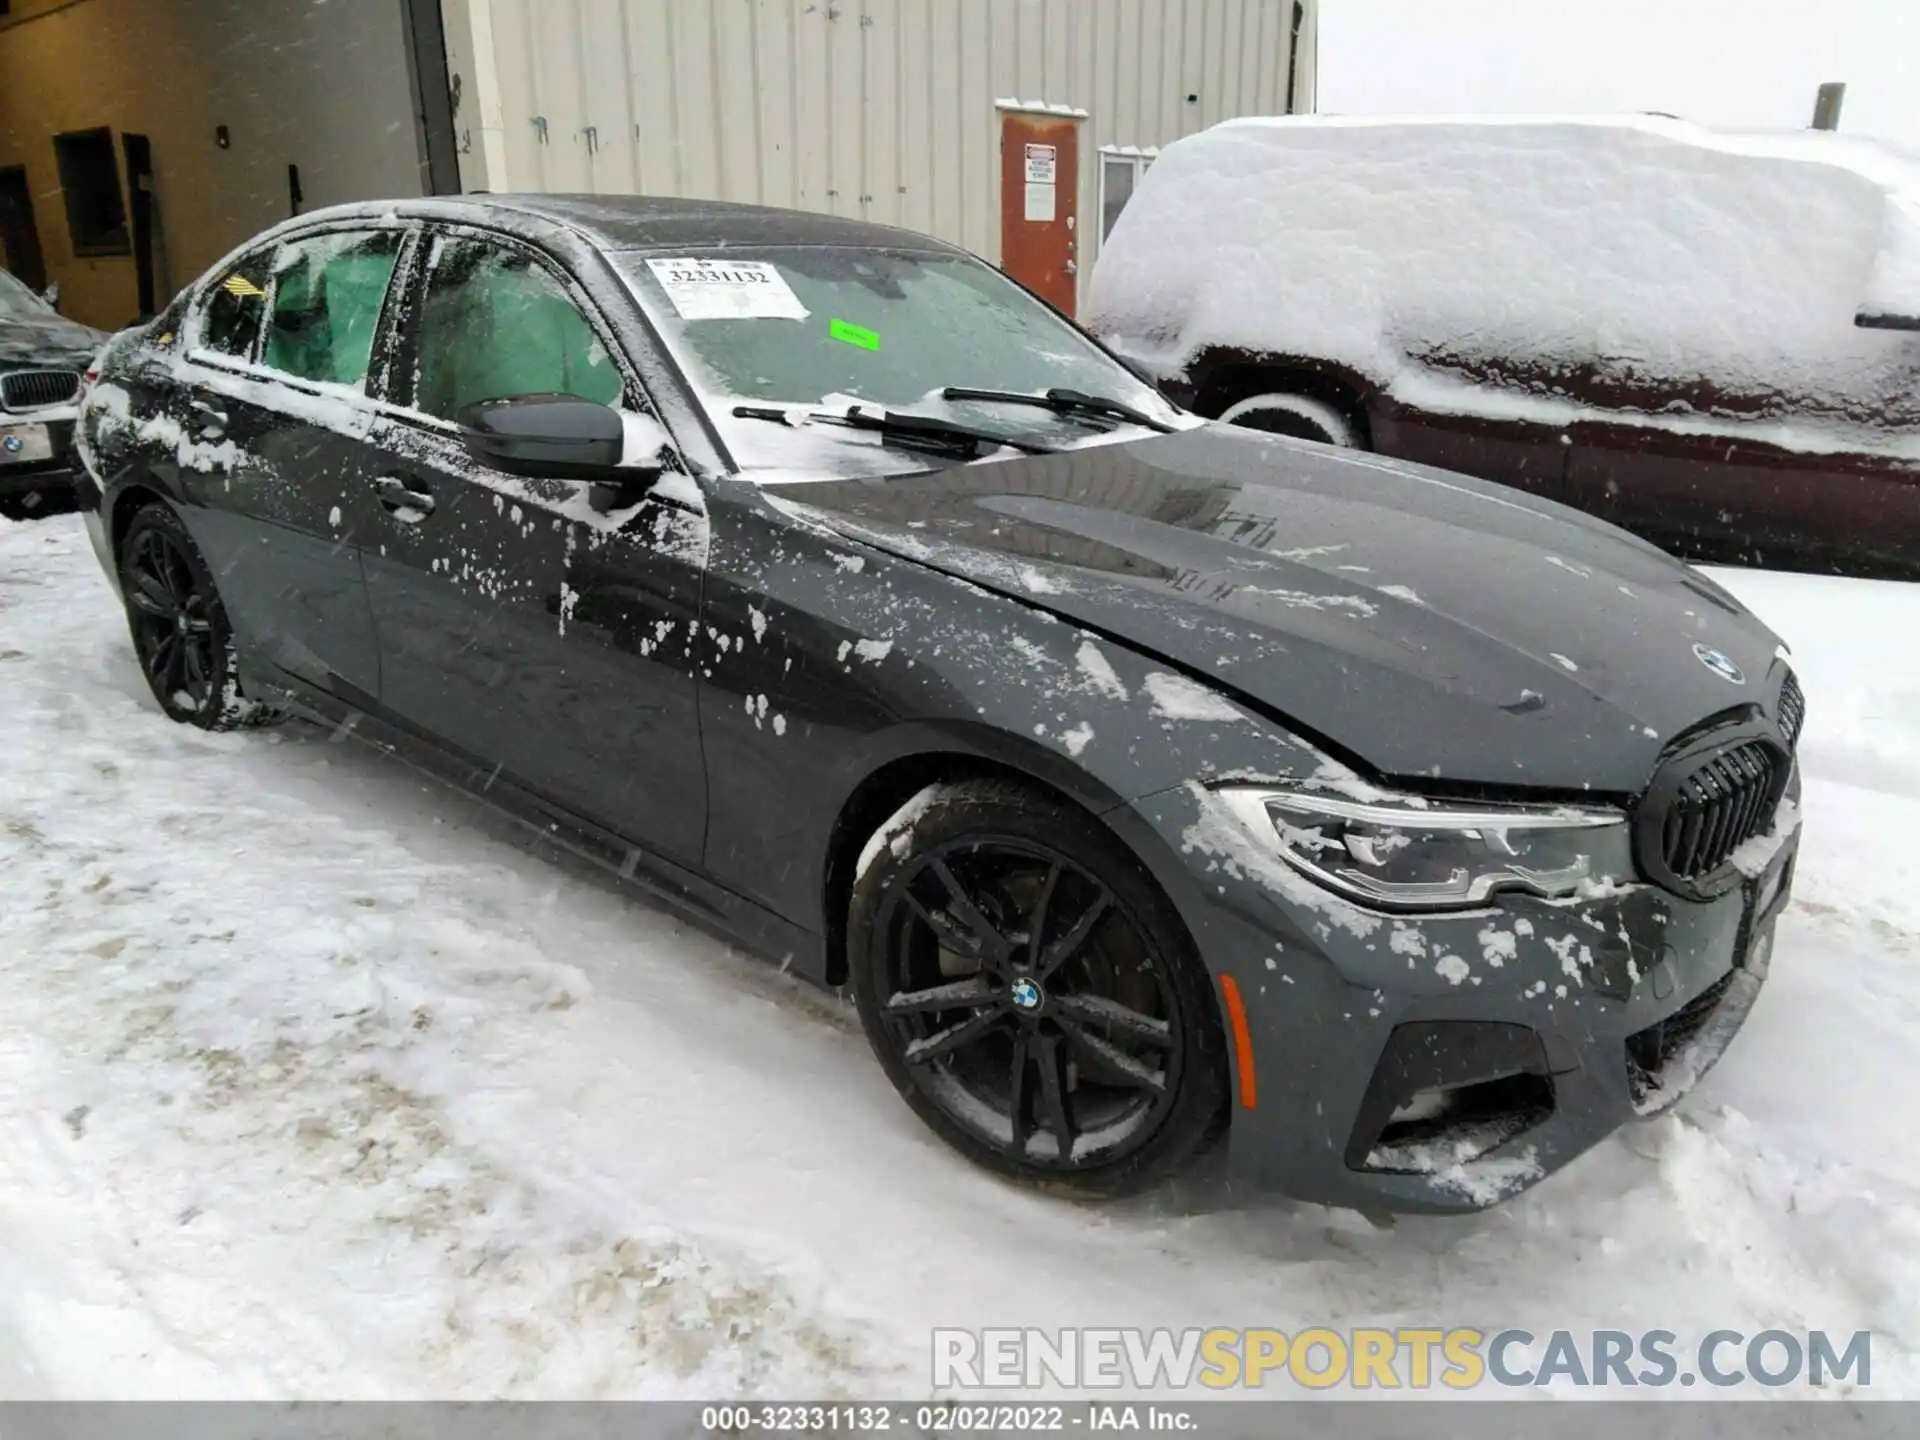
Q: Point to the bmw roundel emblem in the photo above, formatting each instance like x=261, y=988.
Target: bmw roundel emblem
x=13, y=445
x=1720, y=663
x=1026, y=995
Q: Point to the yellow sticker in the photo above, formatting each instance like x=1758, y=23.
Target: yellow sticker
x=242, y=287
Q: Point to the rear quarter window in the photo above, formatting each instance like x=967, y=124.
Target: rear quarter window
x=231, y=310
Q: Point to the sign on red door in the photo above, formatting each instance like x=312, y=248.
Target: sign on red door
x=1039, y=204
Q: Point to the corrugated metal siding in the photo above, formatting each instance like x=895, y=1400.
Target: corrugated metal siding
x=876, y=108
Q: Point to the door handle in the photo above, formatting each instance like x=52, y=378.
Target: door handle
x=402, y=501
x=213, y=423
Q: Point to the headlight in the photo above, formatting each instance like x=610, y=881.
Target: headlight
x=1408, y=854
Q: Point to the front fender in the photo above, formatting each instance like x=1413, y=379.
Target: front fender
x=823, y=661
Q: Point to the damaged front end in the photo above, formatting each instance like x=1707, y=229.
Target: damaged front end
x=1445, y=1003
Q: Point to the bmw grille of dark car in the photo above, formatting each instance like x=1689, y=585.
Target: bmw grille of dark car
x=38, y=389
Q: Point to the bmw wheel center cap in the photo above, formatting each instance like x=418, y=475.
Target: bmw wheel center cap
x=1720, y=663
x=1027, y=995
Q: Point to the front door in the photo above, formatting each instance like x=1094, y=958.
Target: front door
x=1520, y=453
x=1039, y=204
x=548, y=642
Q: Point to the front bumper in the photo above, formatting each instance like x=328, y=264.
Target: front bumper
x=1443, y=1063
x=49, y=485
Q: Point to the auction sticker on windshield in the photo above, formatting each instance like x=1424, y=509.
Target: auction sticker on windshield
x=727, y=290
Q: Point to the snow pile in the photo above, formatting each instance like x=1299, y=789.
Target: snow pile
x=1635, y=253
x=1753, y=856
x=1454, y=1166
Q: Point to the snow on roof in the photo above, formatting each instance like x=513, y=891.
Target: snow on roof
x=1041, y=107
x=1566, y=243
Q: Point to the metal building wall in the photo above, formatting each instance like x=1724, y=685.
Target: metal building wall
x=883, y=109
x=271, y=72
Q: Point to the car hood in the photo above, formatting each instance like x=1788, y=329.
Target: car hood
x=1431, y=626
x=50, y=340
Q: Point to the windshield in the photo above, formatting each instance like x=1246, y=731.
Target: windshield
x=823, y=326
x=17, y=301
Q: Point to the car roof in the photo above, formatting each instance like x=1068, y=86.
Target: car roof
x=649, y=222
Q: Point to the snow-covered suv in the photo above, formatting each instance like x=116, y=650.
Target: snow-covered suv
x=1704, y=337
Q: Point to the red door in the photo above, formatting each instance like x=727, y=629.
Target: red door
x=1039, y=200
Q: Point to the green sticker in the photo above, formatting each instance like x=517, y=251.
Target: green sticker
x=854, y=334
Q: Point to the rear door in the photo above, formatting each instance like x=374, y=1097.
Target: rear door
x=272, y=424
x=549, y=643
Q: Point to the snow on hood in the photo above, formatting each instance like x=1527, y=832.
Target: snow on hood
x=49, y=339
x=1638, y=246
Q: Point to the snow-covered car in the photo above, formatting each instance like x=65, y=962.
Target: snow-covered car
x=43, y=356
x=1707, y=338
x=1141, y=783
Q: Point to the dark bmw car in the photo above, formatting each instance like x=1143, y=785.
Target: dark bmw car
x=42, y=358
x=1149, y=782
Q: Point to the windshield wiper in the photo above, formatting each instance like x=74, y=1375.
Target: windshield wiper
x=1063, y=401
x=926, y=432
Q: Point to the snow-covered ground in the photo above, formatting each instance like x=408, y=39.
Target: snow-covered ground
x=317, y=1080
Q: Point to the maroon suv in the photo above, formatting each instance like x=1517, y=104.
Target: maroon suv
x=1706, y=338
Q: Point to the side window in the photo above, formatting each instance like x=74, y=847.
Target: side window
x=229, y=319
x=496, y=323
x=325, y=304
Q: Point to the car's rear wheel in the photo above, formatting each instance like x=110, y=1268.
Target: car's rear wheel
x=1300, y=416
x=1031, y=993
x=180, y=631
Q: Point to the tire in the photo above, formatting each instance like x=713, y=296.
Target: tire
x=1299, y=416
x=181, y=636
x=1003, y=1036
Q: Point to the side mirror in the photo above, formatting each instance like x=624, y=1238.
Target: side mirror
x=1887, y=322
x=558, y=436
x=52, y=295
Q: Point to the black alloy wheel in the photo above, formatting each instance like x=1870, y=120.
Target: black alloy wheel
x=1032, y=997
x=180, y=631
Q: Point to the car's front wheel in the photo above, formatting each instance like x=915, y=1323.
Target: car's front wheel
x=1032, y=994
x=180, y=631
